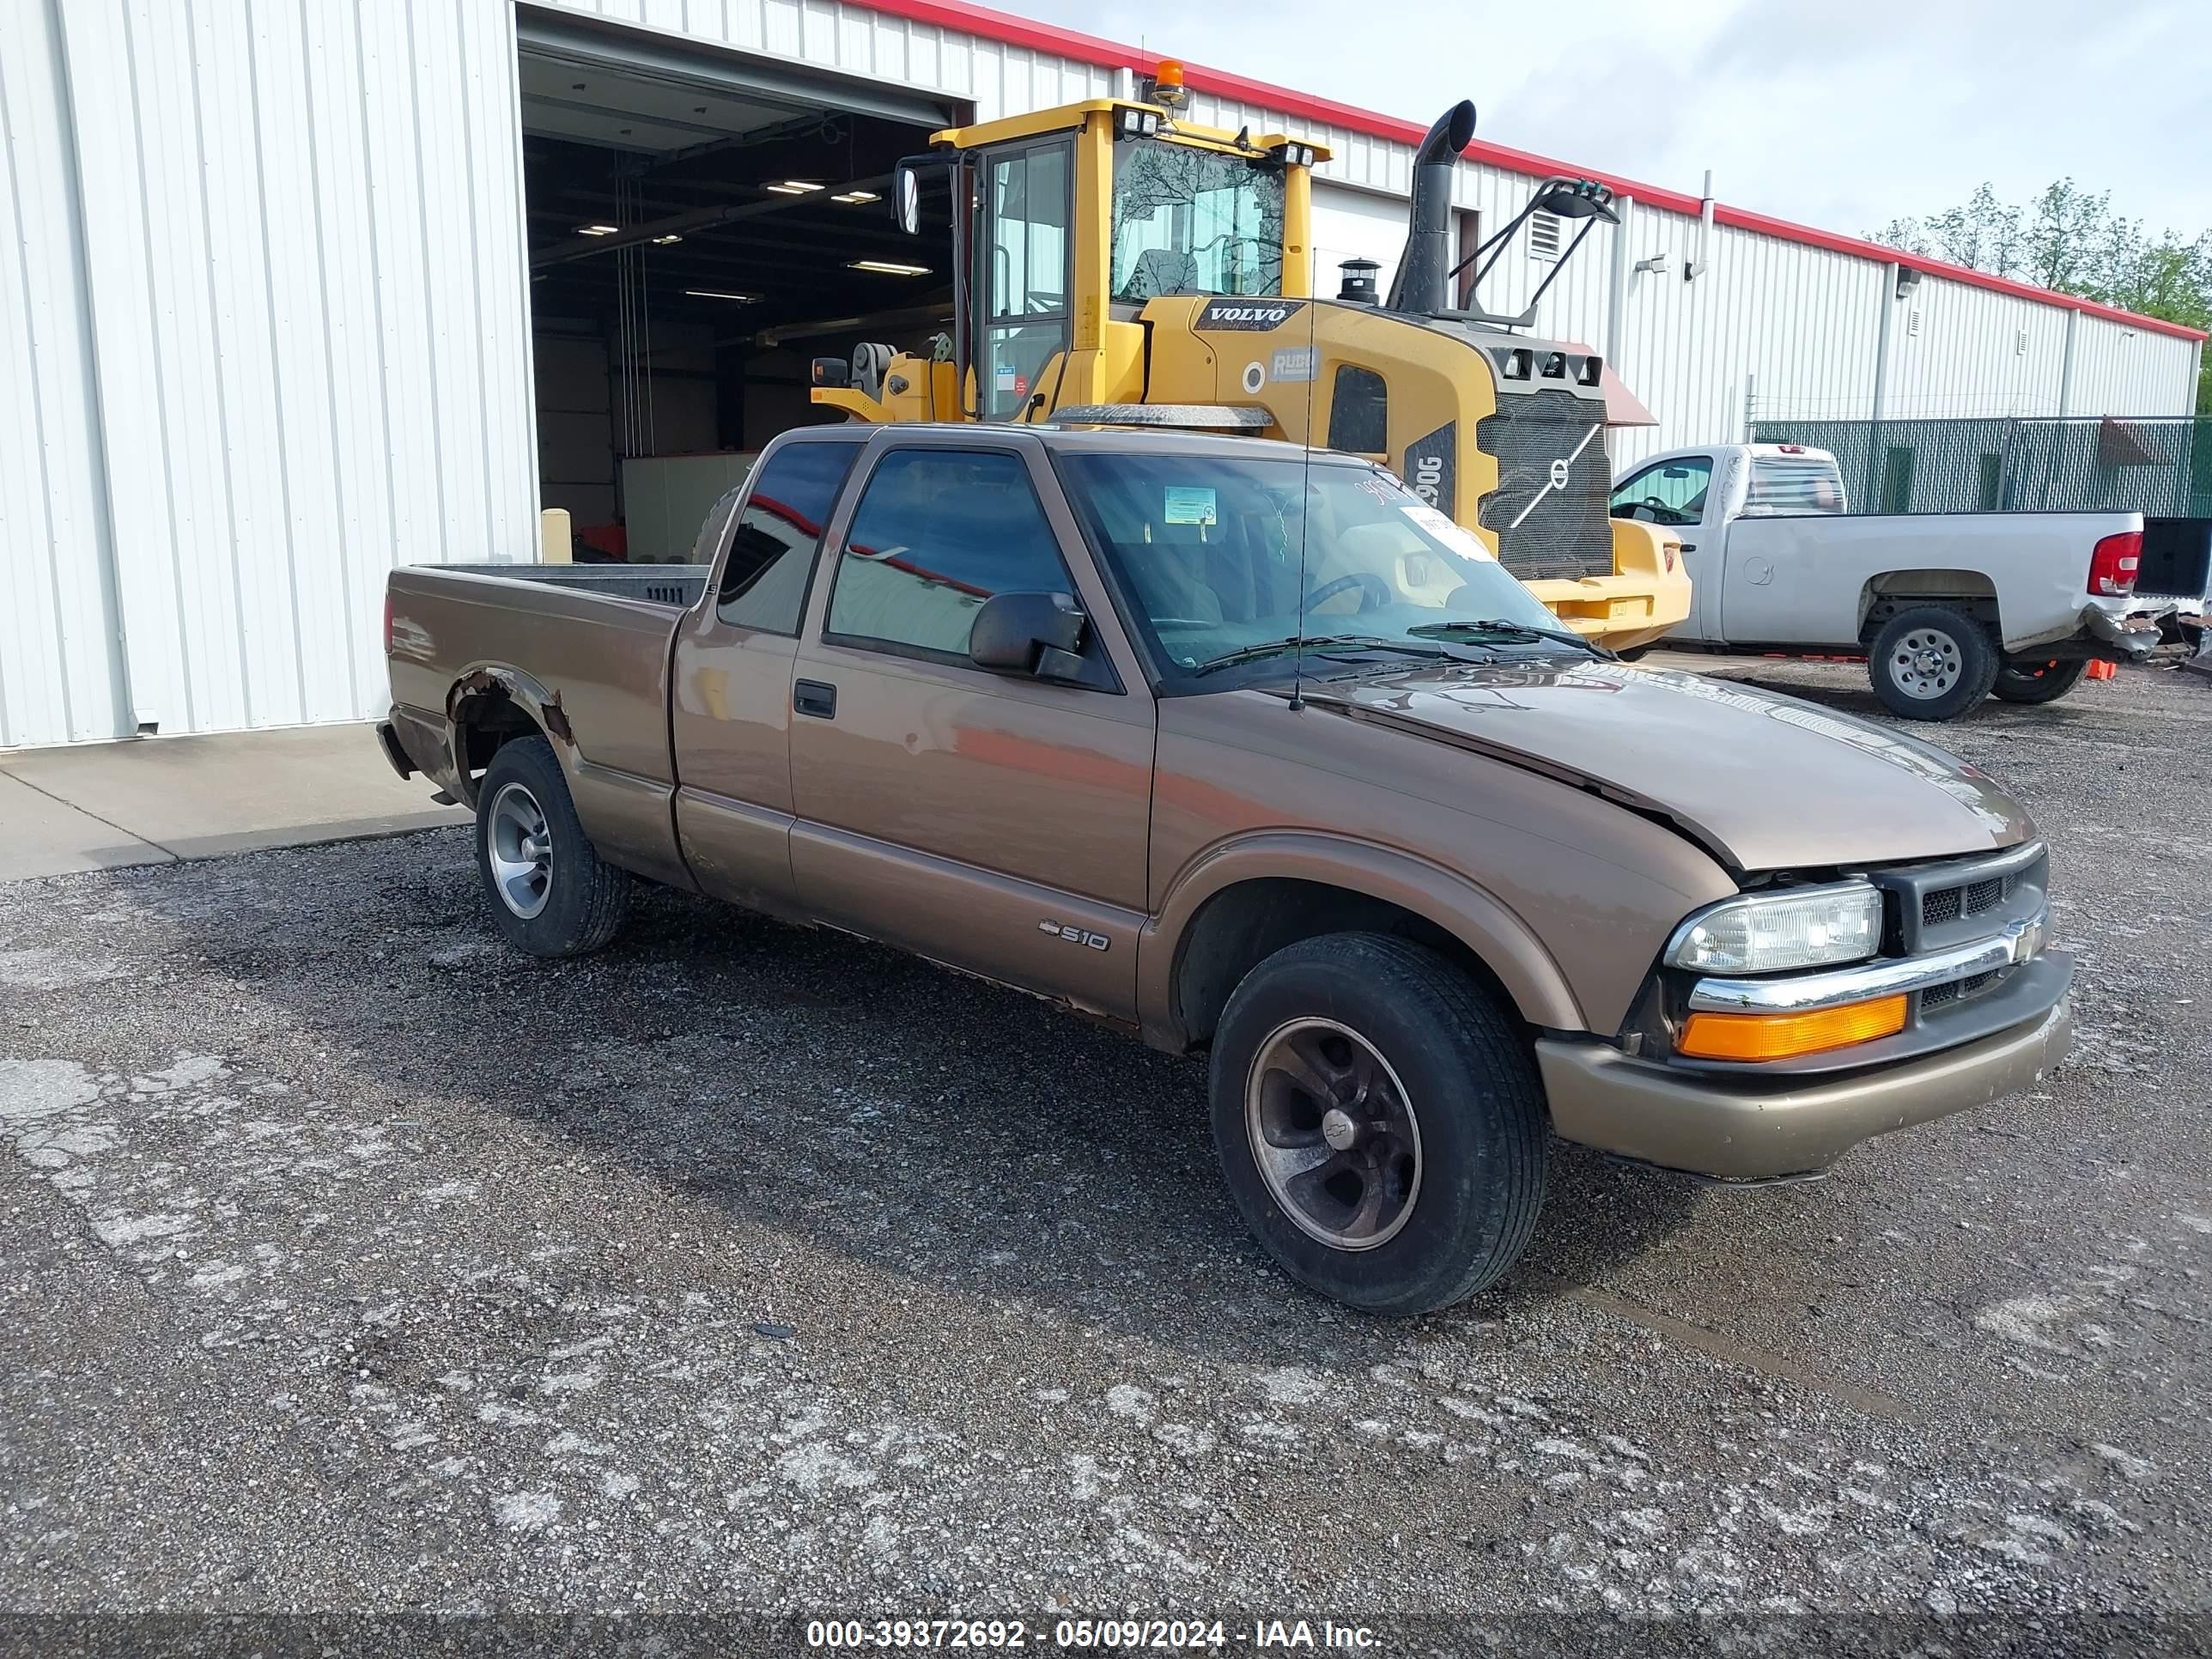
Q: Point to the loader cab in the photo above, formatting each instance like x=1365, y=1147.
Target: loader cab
x=1067, y=221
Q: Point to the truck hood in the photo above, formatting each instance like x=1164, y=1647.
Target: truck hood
x=1763, y=781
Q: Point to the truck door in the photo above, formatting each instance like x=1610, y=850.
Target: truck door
x=996, y=822
x=730, y=699
x=1676, y=494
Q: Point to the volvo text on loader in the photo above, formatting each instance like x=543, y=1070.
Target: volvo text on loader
x=1116, y=264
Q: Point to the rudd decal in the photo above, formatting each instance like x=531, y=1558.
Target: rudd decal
x=1248, y=316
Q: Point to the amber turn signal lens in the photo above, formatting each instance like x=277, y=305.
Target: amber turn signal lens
x=1783, y=1037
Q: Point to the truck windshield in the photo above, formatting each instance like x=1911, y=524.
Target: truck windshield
x=1189, y=221
x=1206, y=551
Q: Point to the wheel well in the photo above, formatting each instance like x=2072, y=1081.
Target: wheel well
x=1896, y=590
x=1242, y=926
x=485, y=721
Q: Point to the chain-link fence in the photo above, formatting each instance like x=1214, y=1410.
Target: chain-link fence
x=2158, y=465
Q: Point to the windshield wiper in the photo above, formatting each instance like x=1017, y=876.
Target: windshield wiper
x=1314, y=643
x=1501, y=628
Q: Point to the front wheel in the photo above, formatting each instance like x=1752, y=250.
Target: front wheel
x=1379, y=1122
x=1932, y=663
x=550, y=892
x=2022, y=680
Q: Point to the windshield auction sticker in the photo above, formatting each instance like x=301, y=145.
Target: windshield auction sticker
x=1462, y=542
x=1187, y=504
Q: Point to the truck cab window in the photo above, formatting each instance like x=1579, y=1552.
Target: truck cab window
x=1359, y=412
x=777, y=535
x=1188, y=221
x=1667, y=492
x=937, y=533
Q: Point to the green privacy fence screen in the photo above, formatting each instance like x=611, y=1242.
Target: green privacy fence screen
x=2158, y=465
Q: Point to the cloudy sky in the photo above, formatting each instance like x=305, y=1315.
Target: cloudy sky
x=1838, y=115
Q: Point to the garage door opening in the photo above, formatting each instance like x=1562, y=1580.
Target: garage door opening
x=700, y=229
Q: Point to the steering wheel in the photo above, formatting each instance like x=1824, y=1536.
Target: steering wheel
x=1374, y=592
x=1660, y=513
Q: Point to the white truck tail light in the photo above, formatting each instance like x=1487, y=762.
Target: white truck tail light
x=2113, y=563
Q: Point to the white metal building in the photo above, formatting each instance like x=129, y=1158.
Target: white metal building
x=266, y=311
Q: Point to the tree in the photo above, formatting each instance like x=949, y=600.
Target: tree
x=2069, y=240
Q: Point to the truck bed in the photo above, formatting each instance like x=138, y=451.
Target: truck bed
x=583, y=650
x=1796, y=578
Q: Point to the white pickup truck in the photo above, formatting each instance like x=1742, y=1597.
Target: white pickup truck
x=1946, y=607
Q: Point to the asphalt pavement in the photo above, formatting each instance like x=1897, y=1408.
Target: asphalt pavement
x=353, y=1263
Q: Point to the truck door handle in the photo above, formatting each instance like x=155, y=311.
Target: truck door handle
x=813, y=697
x=1689, y=547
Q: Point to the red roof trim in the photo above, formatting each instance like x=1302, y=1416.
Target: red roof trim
x=969, y=19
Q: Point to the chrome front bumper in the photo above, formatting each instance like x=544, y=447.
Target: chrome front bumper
x=2015, y=942
x=1738, y=1126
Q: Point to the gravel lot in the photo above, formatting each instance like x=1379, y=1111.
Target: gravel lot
x=353, y=1263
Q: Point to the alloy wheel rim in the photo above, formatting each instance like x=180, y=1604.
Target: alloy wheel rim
x=1926, y=663
x=1333, y=1133
x=520, y=847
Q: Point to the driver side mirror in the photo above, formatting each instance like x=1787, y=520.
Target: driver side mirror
x=1039, y=635
x=906, y=200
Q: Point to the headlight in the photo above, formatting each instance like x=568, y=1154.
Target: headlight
x=1768, y=932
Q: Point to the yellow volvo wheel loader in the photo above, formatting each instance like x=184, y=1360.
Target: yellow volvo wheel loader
x=1114, y=264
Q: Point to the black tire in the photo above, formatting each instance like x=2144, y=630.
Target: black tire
x=1634, y=654
x=1952, y=637
x=2022, y=680
x=582, y=899
x=1482, y=1130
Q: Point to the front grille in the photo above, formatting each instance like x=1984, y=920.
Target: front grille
x=1951, y=902
x=1936, y=996
x=1568, y=534
x=1975, y=898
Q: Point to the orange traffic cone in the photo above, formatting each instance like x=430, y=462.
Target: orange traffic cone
x=2102, y=671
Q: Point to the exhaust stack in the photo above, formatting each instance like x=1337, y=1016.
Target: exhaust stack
x=1423, y=283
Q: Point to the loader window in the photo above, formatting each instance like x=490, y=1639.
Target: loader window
x=1191, y=221
x=1024, y=282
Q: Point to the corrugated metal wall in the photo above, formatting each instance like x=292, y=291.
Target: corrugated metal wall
x=295, y=353
x=58, y=665
x=264, y=334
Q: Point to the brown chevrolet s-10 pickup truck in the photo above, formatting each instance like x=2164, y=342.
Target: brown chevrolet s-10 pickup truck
x=1254, y=753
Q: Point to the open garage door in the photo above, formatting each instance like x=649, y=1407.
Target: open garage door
x=702, y=224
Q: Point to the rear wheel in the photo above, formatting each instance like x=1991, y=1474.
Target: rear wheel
x=2022, y=680
x=1932, y=663
x=550, y=892
x=1379, y=1122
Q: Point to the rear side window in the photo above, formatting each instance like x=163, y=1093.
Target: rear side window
x=1359, y=412
x=772, y=549
x=1794, y=484
x=937, y=533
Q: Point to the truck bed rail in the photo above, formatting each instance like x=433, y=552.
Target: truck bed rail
x=678, y=586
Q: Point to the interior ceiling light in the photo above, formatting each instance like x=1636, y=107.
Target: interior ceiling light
x=853, y=198
x=597, y=230
x=794, y=187
x=663, y=241
x=716, y=294
x=888, y=268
